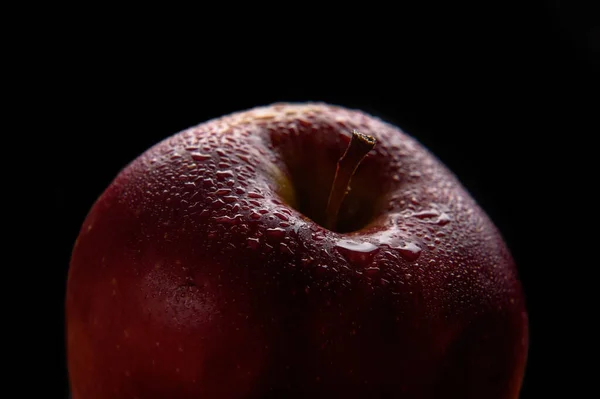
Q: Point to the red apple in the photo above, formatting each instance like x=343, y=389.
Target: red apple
x=204, y=270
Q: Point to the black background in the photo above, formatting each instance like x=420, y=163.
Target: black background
x=503, y=96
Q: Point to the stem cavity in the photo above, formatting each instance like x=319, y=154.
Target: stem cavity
x=359, y=147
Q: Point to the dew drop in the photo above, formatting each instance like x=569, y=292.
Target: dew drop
x=409, y=251
x=284, y=248
x=317, y=237
x=426, y=214
x=356, y=252
x=363, y=247
x=253, y=243
x=276, y=232
x=196, y=156
x=228, y=219
x=307, y=261
x=244, y=158
x=281, y=216
x=224, y=174
x=443, y=220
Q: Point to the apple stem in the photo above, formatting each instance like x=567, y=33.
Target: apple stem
x=359, y=147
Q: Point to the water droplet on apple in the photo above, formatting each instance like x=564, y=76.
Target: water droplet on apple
x=222, y=191
x=276, y=232
x=244, y=158
x=426, y=214
x=307, y=261
x=281, y=216
x=317, y=236
x=409, y=251
x=224, y=174
x=356, y=251
x=253, y=242
x=356, y=246
x=284, y=248
x=229, y=219
x=196, y=156
x=443, y=220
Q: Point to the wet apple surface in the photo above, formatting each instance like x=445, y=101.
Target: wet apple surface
x=204, y=271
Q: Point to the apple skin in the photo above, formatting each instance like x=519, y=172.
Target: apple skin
x=195, y=276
